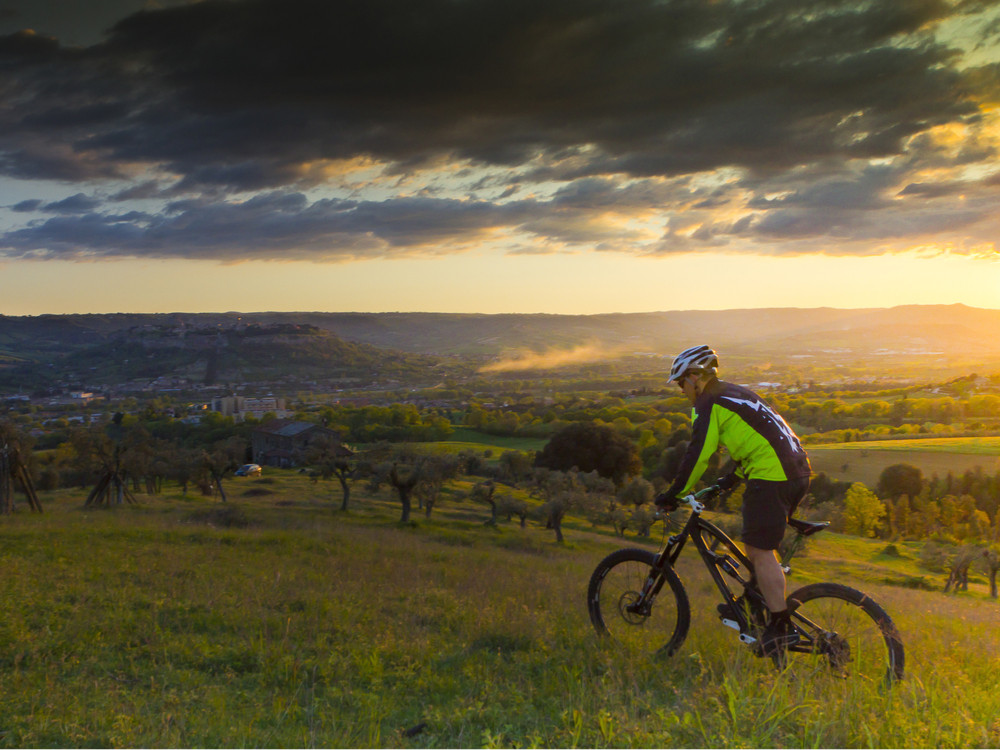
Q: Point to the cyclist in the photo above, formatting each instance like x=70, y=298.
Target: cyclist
x=768, y=455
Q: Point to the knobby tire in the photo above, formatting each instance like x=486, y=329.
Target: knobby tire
x=856, y=638
x=616, y=583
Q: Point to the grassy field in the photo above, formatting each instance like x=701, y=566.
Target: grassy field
x=864, y=461
x=469, y=438
x=277, y=621
x=975, y=446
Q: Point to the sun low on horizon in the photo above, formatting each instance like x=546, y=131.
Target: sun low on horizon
x=564, y=158
x=521, y=284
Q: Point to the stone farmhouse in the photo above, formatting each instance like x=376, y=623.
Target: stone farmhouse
x=279, y=441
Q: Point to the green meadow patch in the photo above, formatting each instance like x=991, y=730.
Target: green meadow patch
x=498, y=443
x=162, y=625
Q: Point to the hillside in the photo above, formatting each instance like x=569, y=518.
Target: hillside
x=924, y=342
x=317, y=628
x=210, y=355
x=951, y=332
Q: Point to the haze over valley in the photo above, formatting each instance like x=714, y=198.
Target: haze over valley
x=902, y=344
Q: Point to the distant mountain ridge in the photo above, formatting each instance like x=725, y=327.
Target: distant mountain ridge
x=941, y=337
x=178, y=353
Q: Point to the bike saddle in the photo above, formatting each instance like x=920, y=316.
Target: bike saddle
x=807, y=528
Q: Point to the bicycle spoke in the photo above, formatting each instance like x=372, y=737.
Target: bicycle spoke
x=655, y=625
x=840, y=633
x=846, y=635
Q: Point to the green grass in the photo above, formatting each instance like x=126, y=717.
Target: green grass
x=465, y=439
x=167, y=625
x=498, y=443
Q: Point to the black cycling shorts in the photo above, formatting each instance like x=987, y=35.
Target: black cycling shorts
x=767, y=506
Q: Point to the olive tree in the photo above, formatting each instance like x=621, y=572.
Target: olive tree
x=560, y=491
x=222, y=458
x=990, y=563
x=587, y=447
x=331, y=458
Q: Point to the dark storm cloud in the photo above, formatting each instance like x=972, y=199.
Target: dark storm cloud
x=660, y=88
x=75, y=204
x=27, y=46
x=222, y=97
x=281, y=225
x=933, y=189
x=876, y=213
x=865, y=190
x=143, y=190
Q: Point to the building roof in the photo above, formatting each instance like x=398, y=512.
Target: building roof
x=287, y=427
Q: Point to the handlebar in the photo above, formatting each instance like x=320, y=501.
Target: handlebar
x=693, y=500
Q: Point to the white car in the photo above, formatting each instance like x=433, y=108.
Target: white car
x=248, y=470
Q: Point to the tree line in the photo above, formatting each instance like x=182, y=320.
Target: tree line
x=588, y=469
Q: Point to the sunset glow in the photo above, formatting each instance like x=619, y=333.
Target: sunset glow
x=657, y=162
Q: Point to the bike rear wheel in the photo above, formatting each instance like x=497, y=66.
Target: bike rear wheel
x=617, y=584
x=844, y=633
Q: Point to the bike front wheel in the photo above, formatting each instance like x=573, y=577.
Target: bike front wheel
x=657, y=623
x=844, y=633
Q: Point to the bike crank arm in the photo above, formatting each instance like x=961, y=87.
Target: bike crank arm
x=744, y=637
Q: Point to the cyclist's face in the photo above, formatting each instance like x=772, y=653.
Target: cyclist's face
x=687, y=384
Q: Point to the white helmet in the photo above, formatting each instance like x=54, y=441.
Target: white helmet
x=695, y=358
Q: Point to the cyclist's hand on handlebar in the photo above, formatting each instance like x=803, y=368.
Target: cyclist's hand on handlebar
x=727, y=482
x=666, y=502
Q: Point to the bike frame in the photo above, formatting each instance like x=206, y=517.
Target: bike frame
x=731, y=562
x=748, y=614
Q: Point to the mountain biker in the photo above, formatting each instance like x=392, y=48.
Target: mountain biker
x=768, y=455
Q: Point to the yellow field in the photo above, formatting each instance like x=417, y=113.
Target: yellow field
x=863, y=462
x=966, y=445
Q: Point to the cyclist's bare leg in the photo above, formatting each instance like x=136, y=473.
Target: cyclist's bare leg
x=770, y=576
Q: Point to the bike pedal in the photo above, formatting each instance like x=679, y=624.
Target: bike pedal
x=731, y=624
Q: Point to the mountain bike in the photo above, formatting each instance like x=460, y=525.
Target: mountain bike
x=636, y=598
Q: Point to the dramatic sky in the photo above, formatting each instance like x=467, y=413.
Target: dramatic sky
x=575, y=156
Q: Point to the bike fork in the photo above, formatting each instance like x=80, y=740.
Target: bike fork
x=650, y=588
